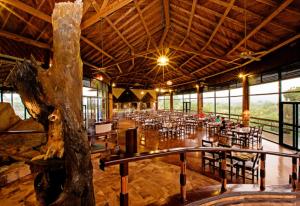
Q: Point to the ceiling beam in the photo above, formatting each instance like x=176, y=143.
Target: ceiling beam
x=119, y=68
x=166, y=5
x=31, y=18
x=24, y=40
x=35, y=43
x=144, y=23
x=242, y=10
x=190, y=22
x=275, y=4
x=219, y=24
x=24, y=7
x=278, y=46
x=109, y=9
x=204, y=55
x=256, y=29
x=98, y=9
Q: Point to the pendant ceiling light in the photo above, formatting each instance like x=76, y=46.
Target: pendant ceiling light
x=162, y=60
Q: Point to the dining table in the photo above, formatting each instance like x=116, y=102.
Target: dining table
x=243, y=133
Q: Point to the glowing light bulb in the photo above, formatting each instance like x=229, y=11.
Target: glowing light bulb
x=169, y=83
x=113, y=84
x=163, y=60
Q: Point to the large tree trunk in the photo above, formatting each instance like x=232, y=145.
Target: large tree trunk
x=53, y=97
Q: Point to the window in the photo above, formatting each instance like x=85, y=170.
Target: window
x=18, y=106
x=177, y=102
x=236, y=100
x=290, y=90
x=164, y=102
x=209, y=105
x=222, y=102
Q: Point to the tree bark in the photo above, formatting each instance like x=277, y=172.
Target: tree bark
x=53, y=97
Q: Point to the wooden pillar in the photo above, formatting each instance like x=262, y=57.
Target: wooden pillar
x=246, y=113
x=124, y=184
x=223, y=172
x=294, y=172
x=299, y=171
x=199, y=100
x=110, y=103
x=171, y=102
x=262, y=171
x=156, y=102
x=183, y=177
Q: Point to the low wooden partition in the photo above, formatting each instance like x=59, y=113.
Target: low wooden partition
x=124, y=159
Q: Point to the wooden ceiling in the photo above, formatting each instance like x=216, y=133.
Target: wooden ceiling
x=121, y=39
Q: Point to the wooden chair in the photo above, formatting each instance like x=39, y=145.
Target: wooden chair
x=230, y=162
x=211, y=157
x=251, y=167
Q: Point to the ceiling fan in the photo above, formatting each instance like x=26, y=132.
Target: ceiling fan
x=248, y=54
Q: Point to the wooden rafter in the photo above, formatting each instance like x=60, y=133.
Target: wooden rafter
x=219, y=24
x=24, y=40
x=166, y=5
x=256, y=29
x=106, y=11
x=144, y=23
x=31, y=18
x=190, y=22
x=241, y=10
x=278, y=46
x=119, y=68
x=24, y=7
x=32, y=42
x=275, y=4
x=98, y=10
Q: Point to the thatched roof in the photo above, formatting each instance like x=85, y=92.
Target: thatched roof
x=122, y=38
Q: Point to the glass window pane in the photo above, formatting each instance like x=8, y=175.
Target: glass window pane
x=167, y=97
x=161, y=97
x=18, y=106
x=194, y=105
x=161, y=104
x=208, y=94
x=264, y=88
x=177, y=104
x=186, y=97
x=290, y=85
x=236, y=105
x=222, y=105
x=209, y=105
x=236, y=92
x=194, y=96
x=223, y=93
x=264, y=106
x=178, y=97
x=167, y=104
x=7, y=97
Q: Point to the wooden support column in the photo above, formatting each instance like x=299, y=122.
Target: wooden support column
x=223, y=172
x=124, y=184
x=171, y=102
x=183, y=177
x=110, y=104
x=294, y=172
x=262, y=171
x=299, y=171
x=199, y=100
x=246, y=113
x=156, y=102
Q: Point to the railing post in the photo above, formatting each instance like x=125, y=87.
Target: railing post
x=124, y=184
x=223, y=171
x=294, y=172
x=262, y=171
x=183, y=176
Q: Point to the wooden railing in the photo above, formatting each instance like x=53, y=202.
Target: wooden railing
x=124, y=159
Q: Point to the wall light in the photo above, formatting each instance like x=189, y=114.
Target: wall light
x=113, y=84
x=169, y=83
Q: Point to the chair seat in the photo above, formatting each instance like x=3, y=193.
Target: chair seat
x=248, y=165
